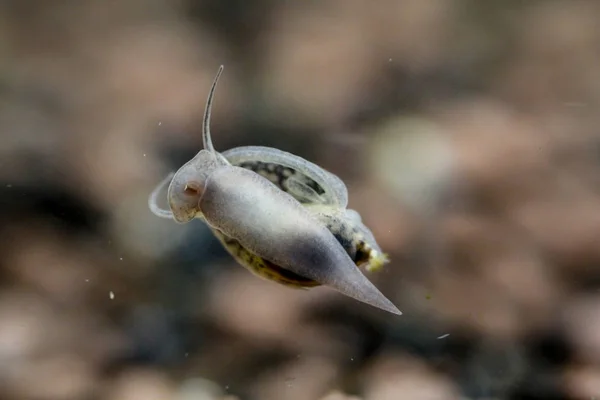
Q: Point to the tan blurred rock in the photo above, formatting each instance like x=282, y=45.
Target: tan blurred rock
x=47, y=354
x=141, y=384
x=302, y=379
x=40, y=257
x=567, y=226
x=64, y=377
x=322, y=58
x=411, y=33
x=317, y=63
x=336, y=395
x=414, y=161
x=581, y=323
x=396, y=377
x=255, y=308
x=200, y=389
x=493, y=277
x=23, y=335
x=501, y=155
x=582, y=382
x=553, y=65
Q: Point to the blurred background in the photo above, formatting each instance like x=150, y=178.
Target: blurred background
x=466, y=131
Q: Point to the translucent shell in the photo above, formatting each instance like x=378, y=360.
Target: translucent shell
x=307, y=182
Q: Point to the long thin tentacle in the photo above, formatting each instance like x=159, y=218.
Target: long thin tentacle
x=206, y=139
x=153, y=199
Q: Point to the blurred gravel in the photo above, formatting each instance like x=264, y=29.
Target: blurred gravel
x=467, y=133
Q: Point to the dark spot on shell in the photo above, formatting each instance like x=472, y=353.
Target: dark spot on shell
x=363, y=254
x=282, y=173
x=289, y=275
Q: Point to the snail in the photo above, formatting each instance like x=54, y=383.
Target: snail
x=278, y=215
x=320, y=191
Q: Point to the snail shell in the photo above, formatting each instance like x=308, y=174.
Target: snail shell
x=320, y=191
x=268, y=228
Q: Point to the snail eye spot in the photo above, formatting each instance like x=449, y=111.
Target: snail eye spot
x=191, y=189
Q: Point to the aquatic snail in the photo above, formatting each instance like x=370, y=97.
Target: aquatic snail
x=278, y=215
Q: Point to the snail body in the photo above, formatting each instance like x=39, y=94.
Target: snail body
x=322, y=192
x=282, y=229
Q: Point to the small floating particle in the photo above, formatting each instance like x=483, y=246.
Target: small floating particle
x=444, y=336
x=111, y=295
